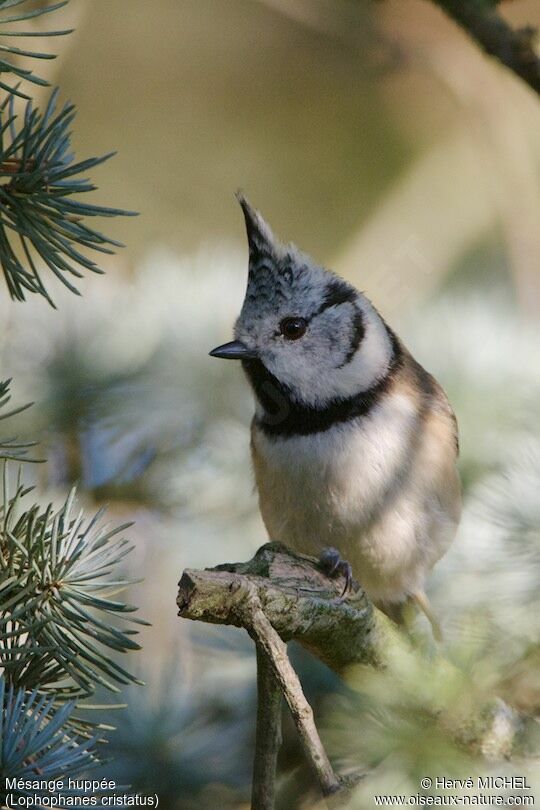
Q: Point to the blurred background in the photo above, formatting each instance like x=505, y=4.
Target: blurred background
x=380, y=140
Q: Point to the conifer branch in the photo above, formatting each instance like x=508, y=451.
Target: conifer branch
x=9, y=52
x=55, y=599
x=35, y=745
x=12, y=448
x=41, y=224
x=59, y=623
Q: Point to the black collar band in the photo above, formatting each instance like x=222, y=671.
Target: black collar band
x=284, y=416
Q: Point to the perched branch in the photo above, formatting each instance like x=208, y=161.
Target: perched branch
x=299, y=601
x=279, y=596
x=515, y=48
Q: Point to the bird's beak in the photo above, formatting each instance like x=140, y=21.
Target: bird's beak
x=235, y=350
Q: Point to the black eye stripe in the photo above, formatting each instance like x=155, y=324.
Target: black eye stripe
x=337, y=292
x=358, y=332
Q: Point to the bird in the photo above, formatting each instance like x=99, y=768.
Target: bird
x=354, y=444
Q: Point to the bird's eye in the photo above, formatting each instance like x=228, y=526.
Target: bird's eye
x=293, y=328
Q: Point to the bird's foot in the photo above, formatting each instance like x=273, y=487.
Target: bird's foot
x=333, y=565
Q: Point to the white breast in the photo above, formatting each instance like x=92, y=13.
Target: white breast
x=352, y=487
x=324, y=485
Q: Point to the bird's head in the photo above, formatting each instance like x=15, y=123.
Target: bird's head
x=303, y=326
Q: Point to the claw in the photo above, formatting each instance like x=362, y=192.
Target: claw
x=333, y=566
x=345, y=568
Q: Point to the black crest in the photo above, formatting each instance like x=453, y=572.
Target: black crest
x=261, y=240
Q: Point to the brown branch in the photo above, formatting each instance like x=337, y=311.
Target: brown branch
x=16, y=165
x=268, y=736
x=514, y=48
x=276, y=651
x=278, y=596
x=300, y=602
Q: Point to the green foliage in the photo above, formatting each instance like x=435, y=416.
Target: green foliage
x=60, y=627
x=34, y=744
x=7, y=52
x=41, y=224
x=56, y=599
x=11, y=448
x=37, y=209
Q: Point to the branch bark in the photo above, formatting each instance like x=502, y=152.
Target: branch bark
x=299, y=601
x=279, y=596
x=268, y=735
x=514, y=48
x=276, y=654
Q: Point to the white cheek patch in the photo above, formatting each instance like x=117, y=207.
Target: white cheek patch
x=316, y=381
